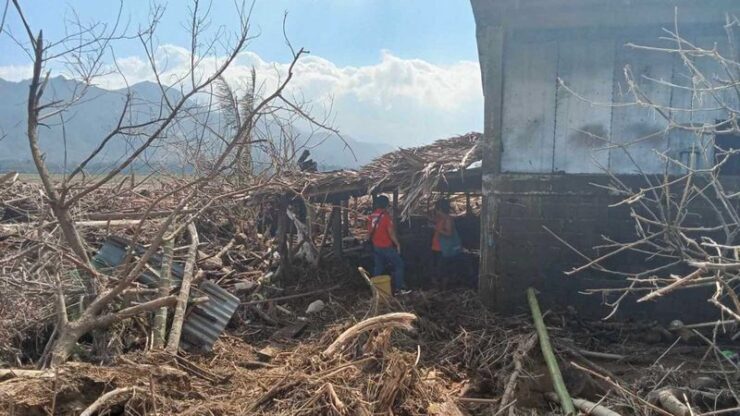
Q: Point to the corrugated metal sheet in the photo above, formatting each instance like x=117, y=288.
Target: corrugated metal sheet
x=530, y=79
x=206, y=322
x=113, y=252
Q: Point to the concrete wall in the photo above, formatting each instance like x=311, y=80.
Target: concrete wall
x=577, y=211
x=535, y=130
x=584, y=123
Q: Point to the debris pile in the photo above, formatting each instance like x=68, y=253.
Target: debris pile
x=264, y=332
x=358, y=356
x=415, y=173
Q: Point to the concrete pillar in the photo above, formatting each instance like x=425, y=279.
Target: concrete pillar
x=491, y=41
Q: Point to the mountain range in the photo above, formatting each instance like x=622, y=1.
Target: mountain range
x=90, y=119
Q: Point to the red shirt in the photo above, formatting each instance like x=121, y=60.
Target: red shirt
x=382, y=233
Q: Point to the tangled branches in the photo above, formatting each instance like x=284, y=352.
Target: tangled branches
x=683, y=200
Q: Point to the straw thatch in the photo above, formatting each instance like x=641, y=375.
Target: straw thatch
x=414, y=172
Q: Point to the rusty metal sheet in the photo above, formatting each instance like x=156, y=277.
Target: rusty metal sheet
x=583, y=109
x=530, y=85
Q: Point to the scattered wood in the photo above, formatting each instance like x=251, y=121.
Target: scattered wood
x=292, y=331
x=173, y=342
x=672, y=404
x=622, y=389
x=601, y=355
x=25, y=227
x=520, y=355
x=8, y=177
x=277, y=389
x=399, y=320
x=585, y=406
x=289, y=297
x=267, y=354
x=137, y=215
x=11, y=373
x=109, y=399
x=159, y=332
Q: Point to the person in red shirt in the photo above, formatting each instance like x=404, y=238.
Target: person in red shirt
x=386, y=249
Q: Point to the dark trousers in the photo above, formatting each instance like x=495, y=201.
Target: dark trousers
x=383, y=257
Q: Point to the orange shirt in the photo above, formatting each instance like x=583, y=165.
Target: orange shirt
x=438, y=226
x=382, y=234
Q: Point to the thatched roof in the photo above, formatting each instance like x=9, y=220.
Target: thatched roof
x=415, y=172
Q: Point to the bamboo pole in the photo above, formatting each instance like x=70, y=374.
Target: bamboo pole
x=552, y=364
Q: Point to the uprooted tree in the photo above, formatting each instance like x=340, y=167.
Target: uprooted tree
x=181, y=122
x=686, y=218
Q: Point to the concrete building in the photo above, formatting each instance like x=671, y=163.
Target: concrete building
x=554, y=80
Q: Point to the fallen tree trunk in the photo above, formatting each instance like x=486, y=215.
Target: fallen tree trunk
x=399, y=320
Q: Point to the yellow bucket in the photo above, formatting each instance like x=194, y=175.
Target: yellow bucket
x=382, y=283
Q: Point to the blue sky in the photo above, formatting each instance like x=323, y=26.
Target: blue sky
x=411, y=53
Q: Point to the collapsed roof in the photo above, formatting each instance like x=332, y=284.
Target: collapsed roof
x=447, y=165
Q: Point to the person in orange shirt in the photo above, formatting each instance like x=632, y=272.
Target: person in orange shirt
x=446, y=245
x=386, y=248
x=441, y=222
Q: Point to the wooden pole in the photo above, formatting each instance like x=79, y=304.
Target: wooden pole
x=173, y=342
x=336, y=230
x=345, y=217
x=160, y=317
x=310, y=219
x=552, y=363
x=355, y=206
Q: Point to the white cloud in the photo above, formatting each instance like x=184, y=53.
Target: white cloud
x=16, y=73
x=398, y=101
